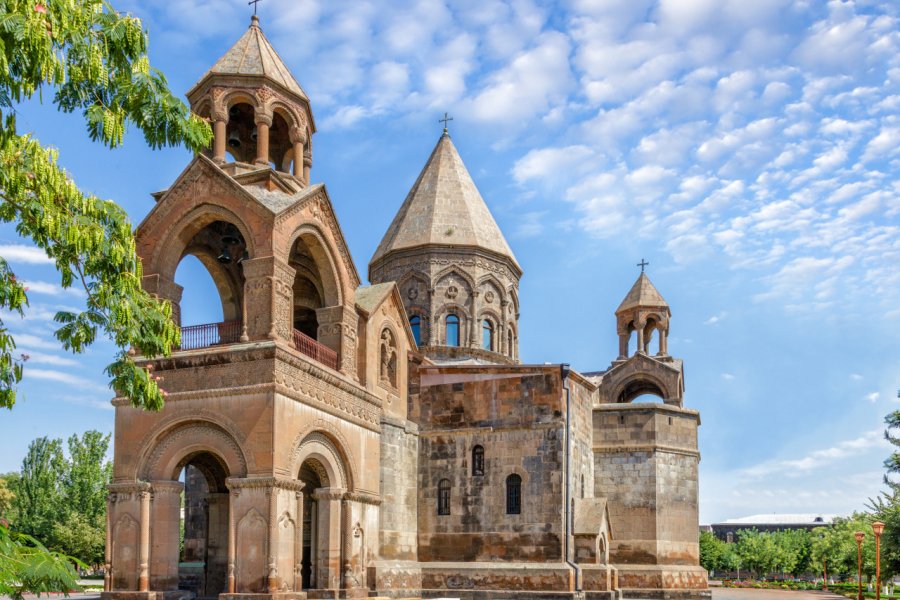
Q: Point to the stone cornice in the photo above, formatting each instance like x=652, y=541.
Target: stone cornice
x=651, y=448
x=363, y=498
x=441, y=250
x=267, y=483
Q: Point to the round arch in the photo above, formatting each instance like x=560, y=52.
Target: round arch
x=324, y=449
x=172, y=247
x=175, y=446
x=323, y=255
x=639, y=385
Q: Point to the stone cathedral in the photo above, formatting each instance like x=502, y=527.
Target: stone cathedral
x=331, y=439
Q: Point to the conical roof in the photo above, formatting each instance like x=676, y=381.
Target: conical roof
x=642, y=294
x=253, y=55
x=444, y=208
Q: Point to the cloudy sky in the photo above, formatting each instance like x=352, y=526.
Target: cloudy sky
x=747, y=150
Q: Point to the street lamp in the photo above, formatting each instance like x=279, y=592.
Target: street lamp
x=860, y=536
x=878, y=528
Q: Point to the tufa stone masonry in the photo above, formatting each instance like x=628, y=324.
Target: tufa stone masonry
x=330, y=439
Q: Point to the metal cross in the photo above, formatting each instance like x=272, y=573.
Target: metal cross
x=642, y=264
x=445, y=120
x=254, y=3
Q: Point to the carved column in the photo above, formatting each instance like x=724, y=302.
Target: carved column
x=263, y=122
x=298, y=139
x=337, y=330
x=268, y=297
x=347, y=542
x=220, y=128
x=232, y=550
x=298, y=543
x=623, y=346
x=329, y=564
x=144, y=560
x=272, y=494
x=107, y=566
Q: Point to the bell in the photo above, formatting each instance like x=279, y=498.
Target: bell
x=243, y=257
x=230, y=240
x=225, y=257
x=254, y=134
x=233, y=140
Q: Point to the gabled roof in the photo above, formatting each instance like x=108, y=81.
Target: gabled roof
x=642, y=294
x=368, y=297
x=253, y=55
x=444, y=208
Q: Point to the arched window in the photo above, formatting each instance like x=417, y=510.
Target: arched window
x=487, y=335
x=444, y=497
x=452, y=330
x=513, y=495
x=415, y=323
x=509, y=344
x=478, y=460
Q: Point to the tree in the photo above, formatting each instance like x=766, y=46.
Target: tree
x=38, y=492
x=712, y=552
x=94, y=60
x=26, y=566
x=81, y=538
x=757, y=552
x=87, y=475
x=7, y=497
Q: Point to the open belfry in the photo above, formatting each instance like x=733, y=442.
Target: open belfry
x=331, y=439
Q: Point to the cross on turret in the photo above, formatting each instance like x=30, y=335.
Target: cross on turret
x=447, y=118
x=642, y=264
x=254, y=3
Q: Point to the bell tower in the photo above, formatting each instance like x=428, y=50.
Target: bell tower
x=260, y=114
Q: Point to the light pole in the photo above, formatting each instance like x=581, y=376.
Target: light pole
x=860, y=536
x=878, y=528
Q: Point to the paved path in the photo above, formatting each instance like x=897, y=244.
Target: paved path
x=719, y=593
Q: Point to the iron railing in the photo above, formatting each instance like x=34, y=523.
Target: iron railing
x=210, y=334
x=315, y=350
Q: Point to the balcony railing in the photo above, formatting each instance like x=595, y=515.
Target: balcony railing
x=210, y=334
x=316, y=351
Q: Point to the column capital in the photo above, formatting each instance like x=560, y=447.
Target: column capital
x=329, y=493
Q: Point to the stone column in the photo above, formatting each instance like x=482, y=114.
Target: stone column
x=663, y=342
x=268, y=298
x=298, y=543
x=107, y=559
x=623, y=346
x=272, y=494
x=640, y=340
x=220, y=126
x=263, y=122
x=165, y=514
x=298, y=139
x=232, y=498
x=337, y=330
x=329, y=563
x=347, y=543
x=307, y=165
x=144, y=559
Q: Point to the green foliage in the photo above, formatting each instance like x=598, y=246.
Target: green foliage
x=7, y=496
x=716, y=555
x=62, y=500
x=26, y=566
x=95, y=61
x=836, y=544
x=757, y=551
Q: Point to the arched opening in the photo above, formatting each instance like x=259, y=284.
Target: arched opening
x=487, y=335
x=218, y=248
x=309, y=291
x=203, y=560
x=478, y=460
x=415, y=323
x=314, y=477
x=509, y=343
x=280, y=142
x=514, y=494
x=452, y=330
x=240, y=133
x=649, y=328
x=443, y=499
x=642, y=390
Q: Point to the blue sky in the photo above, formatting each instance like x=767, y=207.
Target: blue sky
x=748, y=150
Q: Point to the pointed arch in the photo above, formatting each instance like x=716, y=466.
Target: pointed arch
x=457, y=271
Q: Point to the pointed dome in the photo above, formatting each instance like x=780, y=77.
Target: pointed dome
x=642, y=294
x=444, y=208
x=253, y=55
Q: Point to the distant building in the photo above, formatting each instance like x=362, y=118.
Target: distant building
x=727, y=530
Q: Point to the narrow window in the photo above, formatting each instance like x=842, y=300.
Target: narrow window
x=415, y=323
x=513, y=495
x=452, y=330
x=487, y=335
x=582, y=485
x=444, y=497
x=477, y=460
x=509, y=344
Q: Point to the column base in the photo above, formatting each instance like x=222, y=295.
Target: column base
x=358, y=592
x=130, y=595
x=264, y=596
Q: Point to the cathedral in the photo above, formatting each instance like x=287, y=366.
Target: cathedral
x=334, y=439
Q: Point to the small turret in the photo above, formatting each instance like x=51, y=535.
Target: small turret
x=643, y=311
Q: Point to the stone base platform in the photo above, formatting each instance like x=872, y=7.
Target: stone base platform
x=663, y=582
x=130, y=595
x=658, y=594
x=264, y=596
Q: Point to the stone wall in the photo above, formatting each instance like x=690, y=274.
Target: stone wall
x=518, y=416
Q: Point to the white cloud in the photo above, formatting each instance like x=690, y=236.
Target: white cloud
x=817, y=459
x=88, y=401
x=51, y=289
x=727, y=376
x=35, y=357
x=20, y=253
x=873, y=397
x=64, y=378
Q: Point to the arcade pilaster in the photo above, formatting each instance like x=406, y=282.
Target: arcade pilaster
x=329, y=560
x=165, y=537
x=268, y=298
x=165, y=288
x=337, y=330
